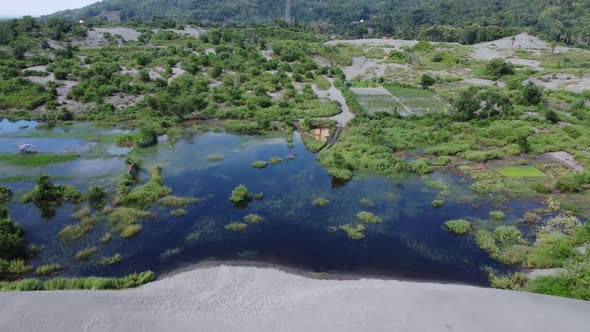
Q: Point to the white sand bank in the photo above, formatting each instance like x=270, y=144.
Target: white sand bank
x=232, y=298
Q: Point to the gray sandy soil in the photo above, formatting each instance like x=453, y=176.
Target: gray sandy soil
x=336, y=95
x=232, y=298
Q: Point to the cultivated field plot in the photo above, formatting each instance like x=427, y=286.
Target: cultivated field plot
x=375, y=100
x=417, y=101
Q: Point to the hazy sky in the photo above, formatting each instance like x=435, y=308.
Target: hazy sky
x=38, y=7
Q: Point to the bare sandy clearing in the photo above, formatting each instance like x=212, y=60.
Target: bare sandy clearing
x=392, y=43
x=563, y=81
x=188, y=30
x=336, y=95
x=231, y=298
x=564, y=158
x=483, y=82
x=96, y=38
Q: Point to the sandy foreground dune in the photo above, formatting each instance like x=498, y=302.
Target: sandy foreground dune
x=242, y=298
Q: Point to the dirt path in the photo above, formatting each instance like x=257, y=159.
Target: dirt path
x=240, y=298
x=336, y=95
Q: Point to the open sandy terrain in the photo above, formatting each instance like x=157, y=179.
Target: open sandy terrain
x=232, y=298
x=392, y=43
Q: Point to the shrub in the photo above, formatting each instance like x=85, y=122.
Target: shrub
x=497, y=68
x=427, y=81
x=368, y=218
x=573, y=182
x=550, y=250
x=515, y=281
x=5, y=195
x=259, y=164
x=12, y=238
x=459, y=226
x=531, y=94
x=131, y=231
x=253, y=219
x=236, y=227
x=240, y=195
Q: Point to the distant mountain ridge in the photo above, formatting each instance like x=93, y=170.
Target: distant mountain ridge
x=560, y=20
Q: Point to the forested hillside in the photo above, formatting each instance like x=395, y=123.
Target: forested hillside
x=467, y=21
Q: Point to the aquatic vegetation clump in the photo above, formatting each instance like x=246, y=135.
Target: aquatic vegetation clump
x=86, y=253
x=253, y=219
x=123, y=216
x=48, y=197
x=367, y=202
x=147, y=194
x=177, y=202
x=437, y=203
x=193, y=237
x=565, y=224
x=170, y=252
x=368, y=218
x=215, y=157
x=240, y=195
x=459, y=226
x=321, y=202
x=497, y=215
x=112, y=260
x=96, y=197
x=259, y=164
x=12, y=237
x=106, y=238
x=86, y=283
x=275, y=160
x=178, y=212
x=354, y=232
x=46, y=270
x=236, y=227
x=72, y=232
x=131, y=231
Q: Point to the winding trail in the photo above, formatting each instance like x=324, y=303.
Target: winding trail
x=240, y=298
x=344, y=117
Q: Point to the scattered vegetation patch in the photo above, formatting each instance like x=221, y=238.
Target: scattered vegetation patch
x=131, y=231
x=215, y=157
x=437, y=203
x=112, y=260
x=240, y=195
x=36, y=160
x=497, y=215
x=86, y=253
x=275, y=160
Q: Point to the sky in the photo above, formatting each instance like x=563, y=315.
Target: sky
x=14, y=8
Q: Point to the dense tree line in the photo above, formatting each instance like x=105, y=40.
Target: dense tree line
x=467, y=21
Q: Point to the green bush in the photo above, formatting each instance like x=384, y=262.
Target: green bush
x=497, y=215
x=240, y=195
x=497, y=68
x=437, y=203
x=573, y=182
x=5, y=195
x=13, y=269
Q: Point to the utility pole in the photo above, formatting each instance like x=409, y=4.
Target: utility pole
x=288, y=11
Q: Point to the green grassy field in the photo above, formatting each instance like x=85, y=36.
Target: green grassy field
x=521, y=172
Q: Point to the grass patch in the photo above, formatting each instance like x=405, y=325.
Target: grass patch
x=215, y=157
x=178, y=212
x=193, y=237
x=87, y=283
x=36, y=160
x=459, y=226
x=177, y=202
x=520, y=172
x=106, y=238
x=145, y=195
x=275, y=160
